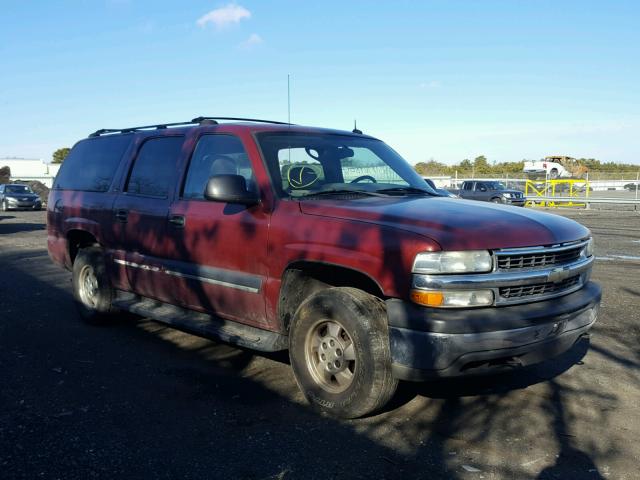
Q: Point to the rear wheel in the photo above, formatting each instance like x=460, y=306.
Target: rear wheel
x=339, y=350
x=92, y=290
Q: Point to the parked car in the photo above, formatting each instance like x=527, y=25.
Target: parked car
x=631, y=186
x=491, y=191
x=440, y=191
x=249, y=233
x=14, y=196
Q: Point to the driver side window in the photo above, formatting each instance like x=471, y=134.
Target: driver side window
x=217, y=154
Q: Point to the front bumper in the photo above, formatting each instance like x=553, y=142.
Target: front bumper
x=432, y=343
x=27, y=204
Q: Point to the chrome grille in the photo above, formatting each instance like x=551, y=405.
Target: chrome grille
x=539, y=288
x=541, y=259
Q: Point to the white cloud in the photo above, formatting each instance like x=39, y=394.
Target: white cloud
x=253, y=41
x=224, y=16
x=430, y=84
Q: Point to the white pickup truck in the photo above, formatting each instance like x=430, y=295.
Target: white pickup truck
x=546, y=168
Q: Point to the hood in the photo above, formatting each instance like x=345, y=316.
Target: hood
x=517, y=193
x=455, y=224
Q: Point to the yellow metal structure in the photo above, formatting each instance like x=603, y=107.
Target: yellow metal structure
x=567, y=189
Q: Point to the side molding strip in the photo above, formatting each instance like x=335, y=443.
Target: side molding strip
x=214, y=276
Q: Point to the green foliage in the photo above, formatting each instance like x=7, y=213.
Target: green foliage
x=5, y=174
x=481, y=166
x=60, y=154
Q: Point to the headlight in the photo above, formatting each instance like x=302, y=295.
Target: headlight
x=588, y=249
x=453, y=298
x=453, y=262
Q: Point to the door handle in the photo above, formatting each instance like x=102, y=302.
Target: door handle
x=177, y=220
x=122, y=216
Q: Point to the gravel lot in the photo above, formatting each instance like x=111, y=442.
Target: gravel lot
x=139, y=400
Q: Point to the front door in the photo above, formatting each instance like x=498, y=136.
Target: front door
x=221, y=249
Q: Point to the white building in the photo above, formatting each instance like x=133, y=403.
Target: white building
x=31, y=169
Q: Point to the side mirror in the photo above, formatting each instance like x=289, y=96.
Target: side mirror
x=229, y=189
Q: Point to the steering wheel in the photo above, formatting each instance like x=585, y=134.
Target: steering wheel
x=363, y=177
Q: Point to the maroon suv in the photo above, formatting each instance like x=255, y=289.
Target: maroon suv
x=327, y=243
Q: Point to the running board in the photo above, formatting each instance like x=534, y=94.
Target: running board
x=202, y=324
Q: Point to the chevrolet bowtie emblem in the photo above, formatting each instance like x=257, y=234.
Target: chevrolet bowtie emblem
x=558, y=274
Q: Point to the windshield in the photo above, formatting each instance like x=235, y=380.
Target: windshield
x=17, y=189
x=495, y=186
x=308, y=164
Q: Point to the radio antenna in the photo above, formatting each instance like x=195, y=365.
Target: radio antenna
x=288, y=98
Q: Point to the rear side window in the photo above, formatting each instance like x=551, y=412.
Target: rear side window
x=155, y=167
x=467, y=186
x=92, y=163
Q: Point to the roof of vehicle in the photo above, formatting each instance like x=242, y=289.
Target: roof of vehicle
x=229, y=124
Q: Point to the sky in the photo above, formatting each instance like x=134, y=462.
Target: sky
x=442, y=80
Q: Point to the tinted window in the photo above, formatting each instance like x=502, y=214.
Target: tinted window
x=92, y=163
x=467, y=186
x=155, y=167
x=217, y=155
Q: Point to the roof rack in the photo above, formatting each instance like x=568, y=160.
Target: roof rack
x=196, y=121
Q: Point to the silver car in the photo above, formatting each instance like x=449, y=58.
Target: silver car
x=14, y=196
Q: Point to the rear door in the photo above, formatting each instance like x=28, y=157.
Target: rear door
x=220, y=257
x=141, y=210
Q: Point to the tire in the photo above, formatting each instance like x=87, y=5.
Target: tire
x=553, y=174
x=4, y=206
x=349, y=327
x=92, y=290
x=496, y=200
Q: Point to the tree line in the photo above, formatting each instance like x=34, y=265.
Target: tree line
x=481, y=166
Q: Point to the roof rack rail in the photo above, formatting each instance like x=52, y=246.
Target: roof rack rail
x=239, y=119
x=197, y=120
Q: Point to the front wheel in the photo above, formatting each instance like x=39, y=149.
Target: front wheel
x=339, y=350
x=496, y=200
x=4, y=206
x=92, y=291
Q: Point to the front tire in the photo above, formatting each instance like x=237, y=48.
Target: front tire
x=339, y=351
x=4, y=206
x=496, y=200
x=92, y=290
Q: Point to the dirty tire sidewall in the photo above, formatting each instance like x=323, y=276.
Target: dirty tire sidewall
x=103, y=310
x=364, y=318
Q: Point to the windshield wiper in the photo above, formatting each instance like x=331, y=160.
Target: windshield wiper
x=339, y=191
x=406, y=190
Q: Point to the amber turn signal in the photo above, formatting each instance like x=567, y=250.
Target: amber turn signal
x=428, y=299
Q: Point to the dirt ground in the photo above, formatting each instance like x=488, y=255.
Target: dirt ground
x=139, y=400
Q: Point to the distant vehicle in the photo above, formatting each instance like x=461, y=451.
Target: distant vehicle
x=491, y=191
x=441, y=191
x=16, y=196
x=554, y=168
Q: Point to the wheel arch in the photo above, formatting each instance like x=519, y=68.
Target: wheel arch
x=300, y=279
x=77, y=239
